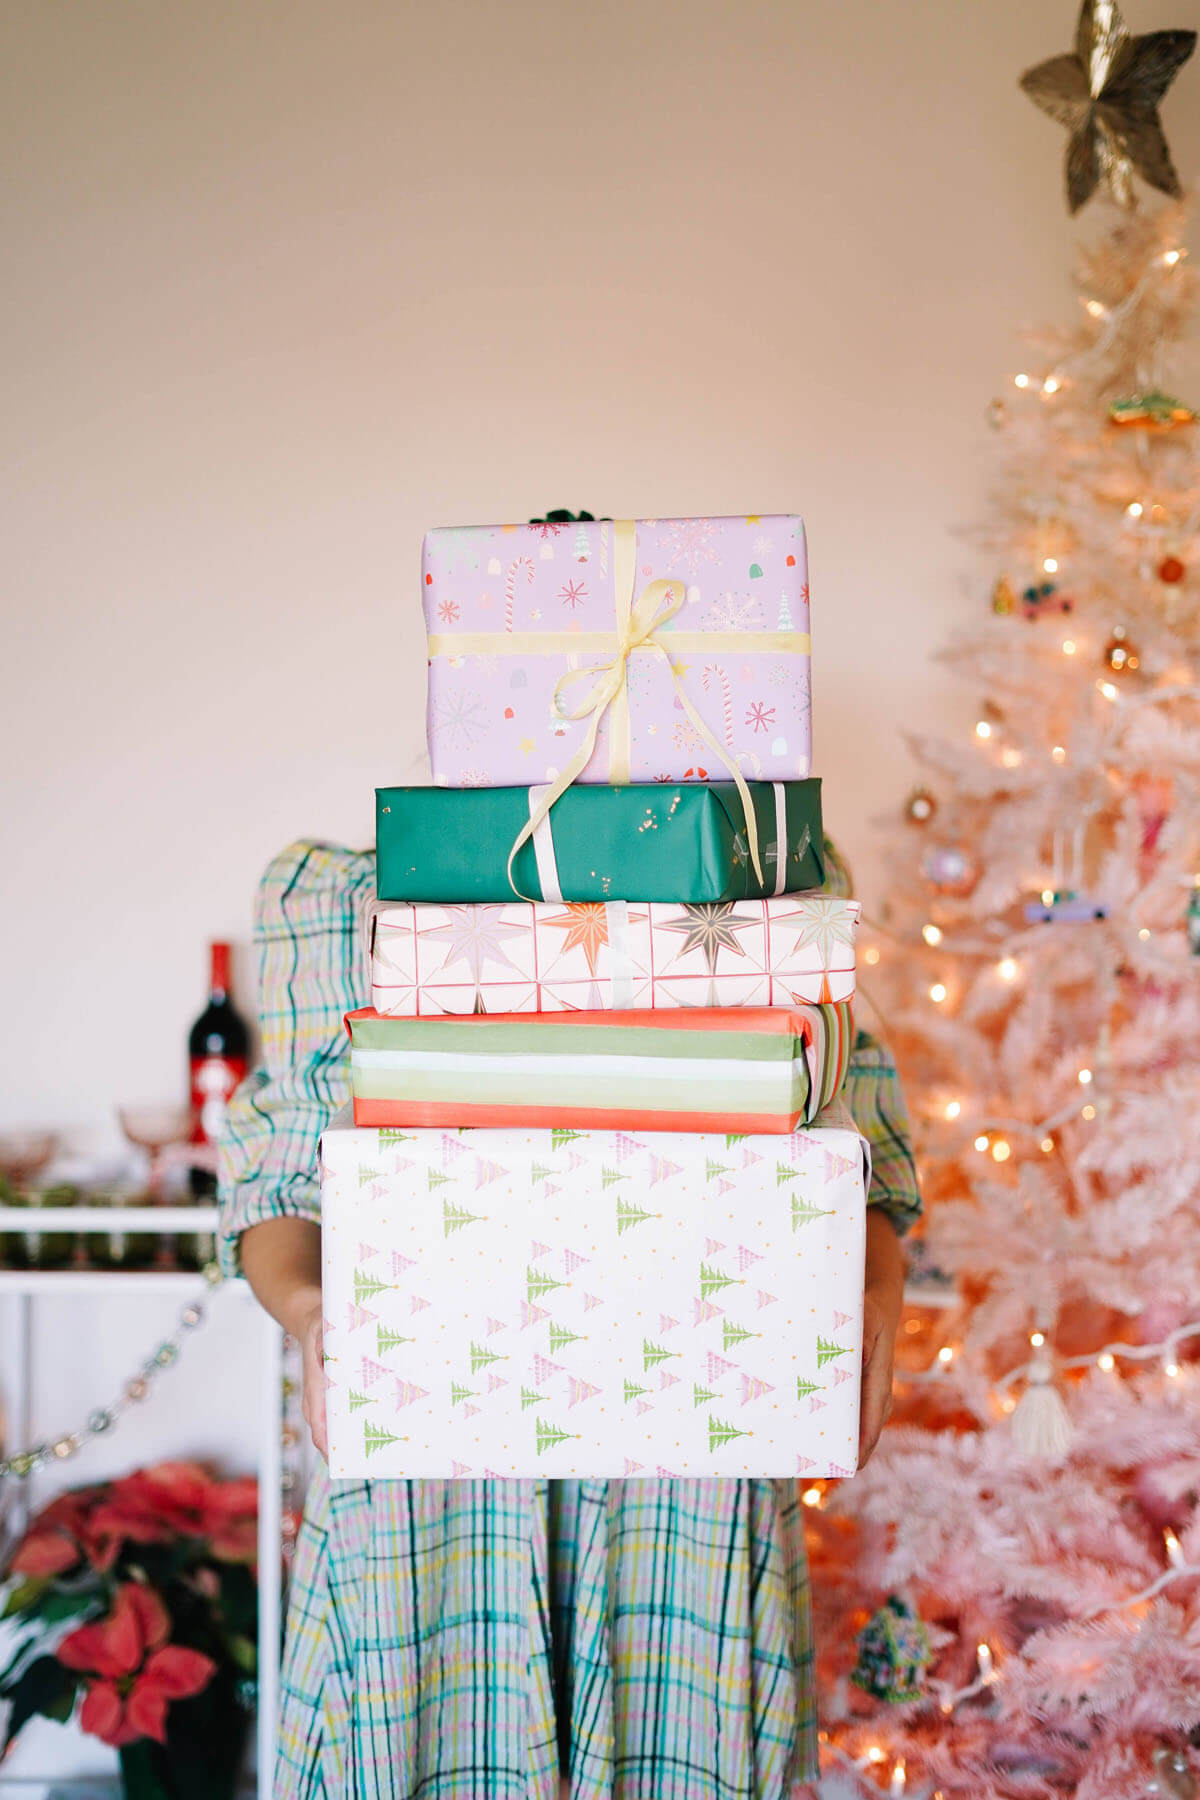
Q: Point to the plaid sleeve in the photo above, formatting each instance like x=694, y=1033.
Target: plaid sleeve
x=876, y=1102
x=310, y=973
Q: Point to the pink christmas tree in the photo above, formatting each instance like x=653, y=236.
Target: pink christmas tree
x=1033, y=1508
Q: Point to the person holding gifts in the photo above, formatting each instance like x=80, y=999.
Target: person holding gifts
x=505, y=1639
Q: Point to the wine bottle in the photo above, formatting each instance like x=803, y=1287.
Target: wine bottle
x=217, y=1047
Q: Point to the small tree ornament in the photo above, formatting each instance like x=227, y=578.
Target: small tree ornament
x=894, y=1653
x=950, y=869
x=1004, y=599
x=1171, y=570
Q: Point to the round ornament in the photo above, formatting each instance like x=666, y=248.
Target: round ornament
x=1120, y=653
x=1171, y=570
x=1004, y=600
x=950, y=869
x=920, y=806
x=894, y=1653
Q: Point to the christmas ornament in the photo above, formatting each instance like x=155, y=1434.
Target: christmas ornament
x=1106, y=92
x=950, y=869
x=997, y=414
x=1120, y=654
x=894, y=1652
x=1171, y=570
x=1193, y=920
x=1065, y=907
x=1004, y=601
x=1043, y=597
x=920, y=806
x=1172, y=1775
x=1041, y=1425
x=1152, y=411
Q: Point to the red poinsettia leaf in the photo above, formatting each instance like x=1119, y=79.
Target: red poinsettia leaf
x=147, y=1711
x=103, y=1714
x=153, y=1620
x=87, y=1649
x=45, y=1553
x=235, y=1541
x=176, y=1673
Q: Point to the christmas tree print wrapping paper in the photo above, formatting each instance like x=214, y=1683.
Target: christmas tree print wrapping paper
x=511, y=1303
x=713, y=615
x=586, y=955
x=739, y=1068
x=674, y=841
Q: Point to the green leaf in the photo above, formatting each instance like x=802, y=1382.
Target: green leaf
x=40, y=1688
x=25, y=1595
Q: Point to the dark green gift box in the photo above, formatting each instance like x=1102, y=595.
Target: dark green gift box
x=682, y=841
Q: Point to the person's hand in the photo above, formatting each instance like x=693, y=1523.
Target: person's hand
x=883, y=1296
x=310, y=1335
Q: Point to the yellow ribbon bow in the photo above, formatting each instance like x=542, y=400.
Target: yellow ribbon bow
x=637, y=623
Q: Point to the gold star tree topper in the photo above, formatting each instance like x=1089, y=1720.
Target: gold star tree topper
x=1106, y=92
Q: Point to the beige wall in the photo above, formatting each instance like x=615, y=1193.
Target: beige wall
x=287, y=283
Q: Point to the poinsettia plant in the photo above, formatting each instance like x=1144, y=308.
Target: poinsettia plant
x=132, y=1605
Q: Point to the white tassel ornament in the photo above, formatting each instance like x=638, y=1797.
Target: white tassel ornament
x=1041, y=1425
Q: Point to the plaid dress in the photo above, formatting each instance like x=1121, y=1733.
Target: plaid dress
x=470, y=1640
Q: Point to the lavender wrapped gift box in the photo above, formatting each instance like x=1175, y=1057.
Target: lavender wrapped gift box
x=695, y=629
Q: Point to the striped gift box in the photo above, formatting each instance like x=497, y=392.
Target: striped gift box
x=742, y=1069
x=528, y=957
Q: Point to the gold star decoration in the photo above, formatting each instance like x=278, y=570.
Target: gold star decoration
x=1106, y=92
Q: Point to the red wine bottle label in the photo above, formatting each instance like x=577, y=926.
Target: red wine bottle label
x=213, y=1081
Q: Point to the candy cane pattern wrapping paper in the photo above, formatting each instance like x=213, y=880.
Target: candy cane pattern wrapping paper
x=512, y=609
x=515, y=1303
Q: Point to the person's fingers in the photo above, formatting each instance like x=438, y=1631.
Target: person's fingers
x=876, y=1401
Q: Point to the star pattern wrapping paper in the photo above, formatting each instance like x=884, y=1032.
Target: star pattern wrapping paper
x=547, y=957
x=518, y=1303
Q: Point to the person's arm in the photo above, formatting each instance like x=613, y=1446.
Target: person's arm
x=876, y=1103
x=310, y=974
x=281, y=1259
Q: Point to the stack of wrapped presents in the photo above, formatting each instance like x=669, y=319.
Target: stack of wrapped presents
x=597, y=1209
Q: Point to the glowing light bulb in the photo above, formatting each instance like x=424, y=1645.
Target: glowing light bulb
x=1085, y=1075
x=937, y=992
x=1010, y=757
x=1173, y=1547
x=1171, y=1368
x=1107, y=1362
x=1096, y=309
x=932, y=934
x=811, y=1496
x=871, y=955
x=1050, y=565
x=1135, y=509
x=1047, y=896
x=981, y=1142
x=983, y=729
x=953, y=1108
x=1008, y=1404
x=987, y=1667
x=899, y=1779
x=1058, y=754
x=1068, y=646
x=1144, y=933
x=1037, y=1339
x=1047, y=1145
x=1007, y=969
x=1021, y=381
x=1051, y=384
x=1171, y=257
x=1107, y=689
x=875, y=1754
x=946, y=1354
x=1088, y=1111
x=1001, y=1150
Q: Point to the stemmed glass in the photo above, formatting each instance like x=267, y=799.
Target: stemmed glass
x=157, y=1127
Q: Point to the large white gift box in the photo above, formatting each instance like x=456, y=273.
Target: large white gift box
x=523, y=1302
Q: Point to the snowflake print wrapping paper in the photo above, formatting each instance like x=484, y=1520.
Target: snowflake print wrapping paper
x=531, y=957
x=516, y=1303
x=511, y=610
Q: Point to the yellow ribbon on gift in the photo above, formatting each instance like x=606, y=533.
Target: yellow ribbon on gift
x=637, y=623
